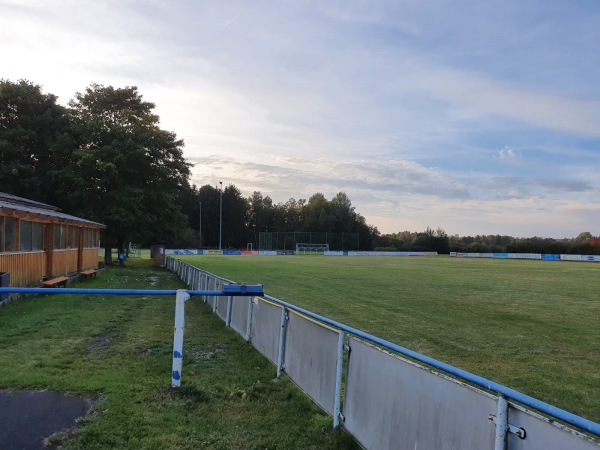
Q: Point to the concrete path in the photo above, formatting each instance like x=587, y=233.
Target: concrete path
x=27, y=417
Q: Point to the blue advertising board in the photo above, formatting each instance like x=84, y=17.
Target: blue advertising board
x=550, y=257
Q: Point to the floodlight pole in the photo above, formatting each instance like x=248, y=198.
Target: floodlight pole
x=200, y=223
x=221, y=216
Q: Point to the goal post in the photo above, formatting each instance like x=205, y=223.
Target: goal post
x=307, y=249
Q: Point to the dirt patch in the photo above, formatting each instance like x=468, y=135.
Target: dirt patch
x=28, y=417
x=100, y=342
x=203, y=355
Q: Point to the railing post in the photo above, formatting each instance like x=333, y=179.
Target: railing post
x=338, y=380
x=501, y=423
x=281, y=342
x=180, y=300
x=249, y=320
x=216, y=298
x=228, y=316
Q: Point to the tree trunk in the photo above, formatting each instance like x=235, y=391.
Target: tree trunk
x=107, y=254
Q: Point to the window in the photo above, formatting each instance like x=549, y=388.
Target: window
x=10, y=235
x=91, y=238
x=37, y=236
x=25, y=236
x=73, y=237
x=60, y=232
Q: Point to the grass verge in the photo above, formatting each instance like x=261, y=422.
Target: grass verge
x=119, y=349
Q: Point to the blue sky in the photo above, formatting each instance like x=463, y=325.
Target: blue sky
x=476, y=117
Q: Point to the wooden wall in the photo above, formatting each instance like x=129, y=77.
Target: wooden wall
x=64, y=261
x=25, y=269
x=90, y=258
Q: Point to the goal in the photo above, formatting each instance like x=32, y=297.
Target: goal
x=307, y=249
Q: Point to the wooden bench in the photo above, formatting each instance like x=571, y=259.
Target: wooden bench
x=54, y=282
x=88, y=273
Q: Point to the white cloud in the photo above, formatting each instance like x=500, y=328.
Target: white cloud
x=506, y=153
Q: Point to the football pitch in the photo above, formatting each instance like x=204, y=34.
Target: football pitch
x=530, y=325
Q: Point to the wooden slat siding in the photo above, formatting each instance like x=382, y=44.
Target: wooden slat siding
x=90, y=258
x=25, y=269
x=80, y=245
x=50, y=250
x=64, y=261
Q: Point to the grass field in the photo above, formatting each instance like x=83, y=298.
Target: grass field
x=118, y=350
x=530, y=325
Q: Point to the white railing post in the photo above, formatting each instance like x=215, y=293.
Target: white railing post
x=280, y=364
x=180, y=299
x=501, y=423
x=338, y=380
x=249, y=320
x=229, y=306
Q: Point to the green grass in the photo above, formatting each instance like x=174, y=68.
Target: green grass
x=530, y=325
x=118, y=350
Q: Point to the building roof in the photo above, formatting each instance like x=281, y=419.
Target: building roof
x=25, y=208
x=9, y=198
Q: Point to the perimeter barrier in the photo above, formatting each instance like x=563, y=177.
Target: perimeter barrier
x=393, y=397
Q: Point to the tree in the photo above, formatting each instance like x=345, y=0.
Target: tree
x=34, y=137
x=261, y=213
x=584, y=236
x=126, y=172
x=235, y=207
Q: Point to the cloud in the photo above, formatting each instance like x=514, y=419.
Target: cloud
x=506, y=153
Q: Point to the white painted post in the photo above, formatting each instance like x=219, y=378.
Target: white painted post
x=338, y=380
x=280, y=363
x=181, y=297
x=501, y=423
x=229, y=307
x=249, y=320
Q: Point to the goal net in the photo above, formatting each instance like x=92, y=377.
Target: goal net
x=304, y=249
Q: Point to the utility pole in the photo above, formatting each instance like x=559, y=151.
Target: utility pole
x=221, y=216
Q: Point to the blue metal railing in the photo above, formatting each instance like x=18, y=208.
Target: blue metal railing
x=238, y=290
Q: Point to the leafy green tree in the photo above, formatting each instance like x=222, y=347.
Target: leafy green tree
x=261, y=213
x=34, y=137
x=584, y=236
x=235, y=208
x=127, y=172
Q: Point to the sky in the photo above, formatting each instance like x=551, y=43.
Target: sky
x=474, y=117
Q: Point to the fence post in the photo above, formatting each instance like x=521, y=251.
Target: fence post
x=228, y=316
x=216, y=299
x=180, y=300
x=338, y=380
x=249, y=322
x=501, y=423
x=281, y=342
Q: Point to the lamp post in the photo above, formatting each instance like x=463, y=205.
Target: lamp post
x=200, y=223
x=221, y=216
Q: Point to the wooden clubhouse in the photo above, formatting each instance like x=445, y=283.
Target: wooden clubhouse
x=41, y=245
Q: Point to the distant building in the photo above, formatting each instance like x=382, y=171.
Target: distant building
x=37, y=241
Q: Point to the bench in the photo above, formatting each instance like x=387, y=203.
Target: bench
x=88, y=273
x=54, y=282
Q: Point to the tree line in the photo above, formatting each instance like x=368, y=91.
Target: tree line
x=105, y=157
x=245, y=218
x=438, y=240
